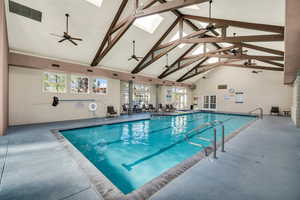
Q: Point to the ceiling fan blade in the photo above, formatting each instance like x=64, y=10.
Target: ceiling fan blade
x=79, y=39
x=129, y=59
x=56, y=35
x=136, y=59
x=215, y=32
x=140, y=57
x=73, y=42
x=60, y=41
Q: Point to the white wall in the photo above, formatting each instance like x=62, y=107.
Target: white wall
x=29, y=104
x=264, y=89
x=296, y=102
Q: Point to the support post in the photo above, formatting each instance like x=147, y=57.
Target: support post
x=215, y=143
x=223, y=138
x=130, y=97
x=157, y=93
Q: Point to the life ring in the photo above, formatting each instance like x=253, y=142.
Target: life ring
x=93, y=106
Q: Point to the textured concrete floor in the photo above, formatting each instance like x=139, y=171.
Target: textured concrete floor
x=262, y=162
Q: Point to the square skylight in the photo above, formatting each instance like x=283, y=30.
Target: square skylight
x=213, y=60
x=176, y=37
x=148, y=23
x=97, y=3
x=192, y=7
x=198, y=51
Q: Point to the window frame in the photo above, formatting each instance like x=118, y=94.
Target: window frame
x=57, y=92
x=92, y=86
x=82, y=76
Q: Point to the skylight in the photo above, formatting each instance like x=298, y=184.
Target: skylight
x=192, y=7
x=148, y=23
x=225, y=44
x=97, y=3
x=176, y=37
x=213, y=60
x=198, y=51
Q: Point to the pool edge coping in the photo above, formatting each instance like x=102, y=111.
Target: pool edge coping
x=103, y=186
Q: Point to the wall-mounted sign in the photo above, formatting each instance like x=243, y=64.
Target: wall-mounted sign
x=231, y=90
x=239, y=97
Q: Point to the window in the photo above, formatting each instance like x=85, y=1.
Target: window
x=97, y=3
x=210, y=102
x=124, y=92
x=198, y=51
x=148, y=23
x=99, y=86
x=141, y=94
x=213, y=102
x=206, y=102
x=79, y=84
x=176, y=37
x=54, y=82
x=180, y=97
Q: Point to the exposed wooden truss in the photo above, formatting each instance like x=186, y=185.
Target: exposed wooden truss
x=243, y=56
x=263, y=49
x=185, y=61
x=121, y=28
x=247, y=25
x=200, y=68
x=254, y=67
x=237, y=39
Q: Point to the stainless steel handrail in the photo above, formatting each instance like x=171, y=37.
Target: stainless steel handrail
x=261, y=111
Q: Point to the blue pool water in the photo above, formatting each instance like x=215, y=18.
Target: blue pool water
x=131, y=154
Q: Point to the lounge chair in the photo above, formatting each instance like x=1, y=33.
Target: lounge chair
x=125, y=108
x=111, y=111
x=172, y=108
x=151, y=108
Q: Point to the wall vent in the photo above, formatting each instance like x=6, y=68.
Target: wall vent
x=25, y=11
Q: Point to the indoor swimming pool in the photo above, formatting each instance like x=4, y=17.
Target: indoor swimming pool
x=131, y=154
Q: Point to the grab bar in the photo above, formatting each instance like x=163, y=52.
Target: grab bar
x=261, y=111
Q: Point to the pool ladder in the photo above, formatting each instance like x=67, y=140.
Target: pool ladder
x=214, y=141
x=261, y=112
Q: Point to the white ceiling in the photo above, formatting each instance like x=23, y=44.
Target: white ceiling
x=91, y=23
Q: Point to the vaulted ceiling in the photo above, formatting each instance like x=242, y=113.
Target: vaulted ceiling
x=92, y=23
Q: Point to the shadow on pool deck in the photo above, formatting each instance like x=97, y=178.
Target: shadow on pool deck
x=263, y=162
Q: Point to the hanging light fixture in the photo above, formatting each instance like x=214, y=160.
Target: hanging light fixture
x=167, y=61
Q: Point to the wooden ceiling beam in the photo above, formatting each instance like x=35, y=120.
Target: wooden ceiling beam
x=138, y=68
x=271, y=62
x=243, y=56
x=177, y=65
x=247, y=25
x=264, y=49
x=99, y=55
x=237, y=39
x=199, y=69
x=255, y=67
x=167, y=6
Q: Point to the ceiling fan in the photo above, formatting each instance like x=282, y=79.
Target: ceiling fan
x=211, y=27
x=66, y=35
x=167, y=61
x=133, y=56
x=249, y=63
x=256, y=72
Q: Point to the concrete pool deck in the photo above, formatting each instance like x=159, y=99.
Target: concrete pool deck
x=263, y=162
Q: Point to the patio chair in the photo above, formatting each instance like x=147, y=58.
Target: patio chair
x=275, y=110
